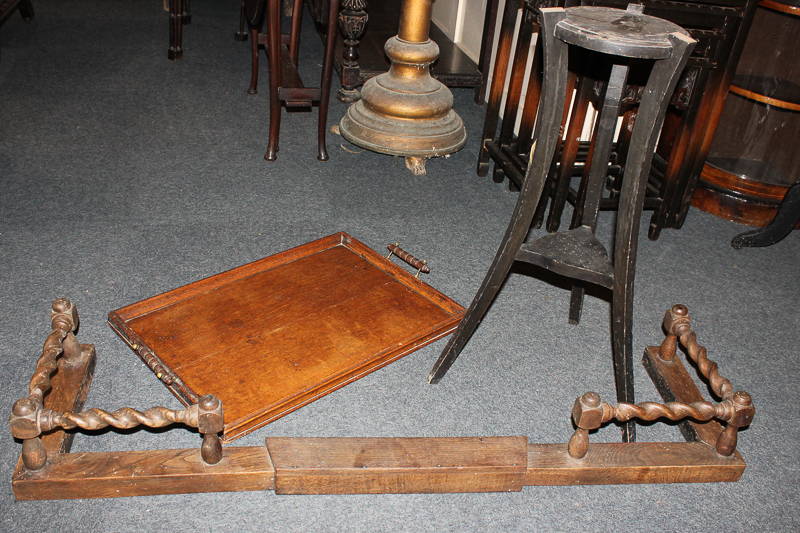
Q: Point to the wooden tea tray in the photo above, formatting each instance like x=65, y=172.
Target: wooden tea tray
x=273, y=335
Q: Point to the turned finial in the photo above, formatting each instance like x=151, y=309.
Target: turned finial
x=587, y=414
x=675, y=319
x=64, y=315
x=743, y=413
x=210, y=422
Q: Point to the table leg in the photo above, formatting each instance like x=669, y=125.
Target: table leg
x=176, y=9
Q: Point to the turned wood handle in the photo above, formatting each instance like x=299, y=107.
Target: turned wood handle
x=420, y=265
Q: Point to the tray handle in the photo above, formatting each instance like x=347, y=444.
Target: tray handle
x=420, y=265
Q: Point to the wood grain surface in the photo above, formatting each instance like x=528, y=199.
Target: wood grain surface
x=618, y=463
x=274, y=335
x=397, y=465
x=141, y=473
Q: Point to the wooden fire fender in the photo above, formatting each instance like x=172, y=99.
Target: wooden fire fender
x=375, y=465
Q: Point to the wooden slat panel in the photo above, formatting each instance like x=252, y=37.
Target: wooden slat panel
x=145, y=473
x=618, y=463
x=397, y=465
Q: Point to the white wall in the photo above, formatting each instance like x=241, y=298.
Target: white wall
x=469, y=26
x=444, y=13
x=462, y=21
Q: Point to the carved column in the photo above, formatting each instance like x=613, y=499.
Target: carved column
x=353, y=19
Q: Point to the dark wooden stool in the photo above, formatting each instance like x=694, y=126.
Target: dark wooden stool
x=285, y=85
x=617, y=39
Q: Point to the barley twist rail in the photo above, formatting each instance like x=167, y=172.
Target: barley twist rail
x=675, y=411
x=736, y=408
x=61, y=342
x=125, y=418
x=29, y=419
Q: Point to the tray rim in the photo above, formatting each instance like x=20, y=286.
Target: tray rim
x=173, y=296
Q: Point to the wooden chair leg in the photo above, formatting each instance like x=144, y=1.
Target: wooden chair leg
x=531, y=105
x=576, y=302
x=274, y=54
x=577, y=213
x=253, y=89
x=175, y=51
x=26, y=10
x=524, y=140
x=663, y=79
x=514, y=93
x=623, y=143
x=294, y=34
x=677, y=154
x=241, y=35
x=569, y=152
x=325, y=83
x=709, y=113
x=622, y=344
x=498, y=272
x=547, y=194
x=498, y=81
x=552, y=176
x=596, y=169
x=685, y=156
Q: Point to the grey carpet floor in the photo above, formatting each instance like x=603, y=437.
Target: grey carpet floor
x=123, y=175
